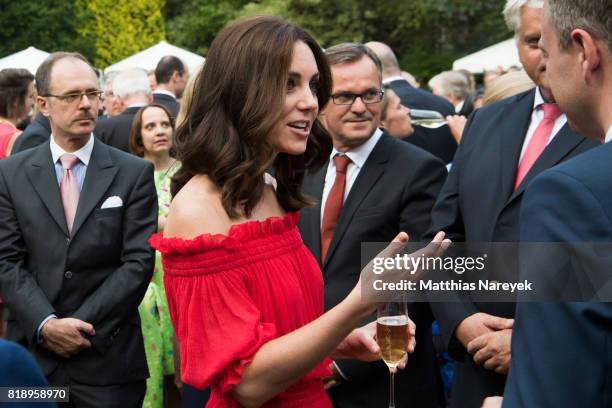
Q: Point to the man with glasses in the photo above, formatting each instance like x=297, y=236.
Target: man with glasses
x=373, y=187
x=74, y=259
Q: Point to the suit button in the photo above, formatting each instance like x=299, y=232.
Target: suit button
x=67, y=241
x=68, y=275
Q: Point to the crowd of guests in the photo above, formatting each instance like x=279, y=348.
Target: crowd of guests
x=194, y=239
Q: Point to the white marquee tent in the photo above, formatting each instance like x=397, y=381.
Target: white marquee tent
x=148, y=59
x=30, y=59
x=503, y=54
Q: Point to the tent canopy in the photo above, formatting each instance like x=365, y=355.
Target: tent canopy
x=503, y=54
x=148, y=59
x=30, y=59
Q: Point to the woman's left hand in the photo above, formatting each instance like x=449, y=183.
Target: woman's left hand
x=361, y=344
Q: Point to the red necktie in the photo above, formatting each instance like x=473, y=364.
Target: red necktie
x=333, y=205
x=538, y=141
x=69, y=189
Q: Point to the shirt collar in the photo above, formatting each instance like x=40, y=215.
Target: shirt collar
x=538, y=100
x=164, y=92
x=393, y=78
x=459, y=106
x=136, y=105
x=84, y=153
x=360, y=154
x=608, y=135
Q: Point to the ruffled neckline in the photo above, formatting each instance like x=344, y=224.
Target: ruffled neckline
x=237, y=234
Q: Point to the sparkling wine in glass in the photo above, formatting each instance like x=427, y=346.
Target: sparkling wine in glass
x=392, y=335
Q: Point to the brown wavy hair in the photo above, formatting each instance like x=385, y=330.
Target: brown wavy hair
x=238, y=98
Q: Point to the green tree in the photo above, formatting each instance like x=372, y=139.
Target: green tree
x=193, y=24
x=120, y=28
x=426, y=35
x=49, y=25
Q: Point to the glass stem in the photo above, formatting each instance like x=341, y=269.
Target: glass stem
x=392, y=389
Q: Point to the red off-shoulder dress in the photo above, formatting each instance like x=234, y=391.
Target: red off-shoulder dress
x=230, y=294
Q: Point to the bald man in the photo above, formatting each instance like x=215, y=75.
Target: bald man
x=438, y=142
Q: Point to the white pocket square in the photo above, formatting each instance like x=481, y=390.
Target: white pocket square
x=112, y=202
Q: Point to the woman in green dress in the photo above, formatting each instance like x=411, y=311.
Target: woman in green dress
x=151, y=139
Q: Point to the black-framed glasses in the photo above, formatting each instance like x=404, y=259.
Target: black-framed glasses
x=92, y=96
x=347, y=98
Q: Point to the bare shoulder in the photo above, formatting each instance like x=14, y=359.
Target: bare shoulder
x=197, y=210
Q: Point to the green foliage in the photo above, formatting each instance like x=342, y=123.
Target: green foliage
x=195, y=23
x=49, y=25
x=120, y=28
x=426, y=35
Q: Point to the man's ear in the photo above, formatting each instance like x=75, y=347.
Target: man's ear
x=42, y=105
x=176, y=76
x=588, y=53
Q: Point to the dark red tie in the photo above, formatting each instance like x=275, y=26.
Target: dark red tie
x=333, y=205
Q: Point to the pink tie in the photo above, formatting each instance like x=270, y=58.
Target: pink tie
x=538, y=141
x=69, y=189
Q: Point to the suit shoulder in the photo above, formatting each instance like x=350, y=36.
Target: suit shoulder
x=127, y=159
x=403, y=150
x=109, y=123
x=16, y=160
x=18, y=361
x=11, y=352
x=523, y=97
x=32, y=136
x=589, y=168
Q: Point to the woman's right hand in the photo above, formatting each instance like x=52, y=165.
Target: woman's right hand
x=364, y=290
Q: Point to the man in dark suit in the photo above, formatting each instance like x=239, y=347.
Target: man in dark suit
x=74, y=259
x=132, y=89
x=171, y=75
x=389, y=186
x=440, y=141
x=556, y=343
x=36, y=133
x=504, y=146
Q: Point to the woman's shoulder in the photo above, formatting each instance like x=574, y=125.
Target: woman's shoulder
x=196, y=210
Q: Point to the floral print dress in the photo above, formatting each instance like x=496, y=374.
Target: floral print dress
x=155, y=318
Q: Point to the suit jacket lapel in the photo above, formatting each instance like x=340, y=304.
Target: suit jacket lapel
x=100, y=173
x=372, y=170
x=562, y=144
x=516, y=120
x=41, y=173
x=312, y=215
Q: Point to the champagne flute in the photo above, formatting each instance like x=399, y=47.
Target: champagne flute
x=392, y=336
x=427, y=118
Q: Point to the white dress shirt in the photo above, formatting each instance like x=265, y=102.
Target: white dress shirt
x=79, y=169
x=608, y=135
x=358, y=157
x=537, y=116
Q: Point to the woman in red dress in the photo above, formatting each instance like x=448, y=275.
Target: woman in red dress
x=245, y=295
